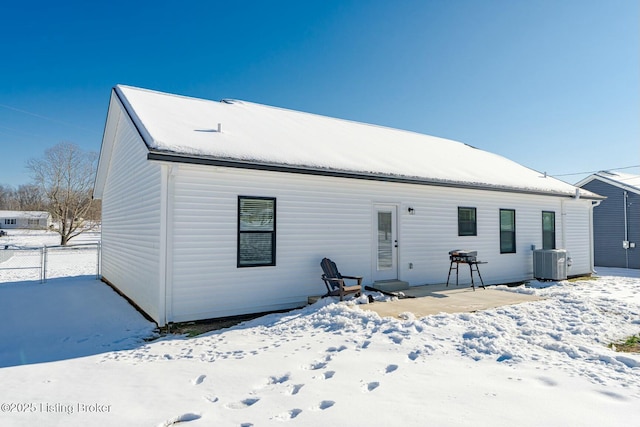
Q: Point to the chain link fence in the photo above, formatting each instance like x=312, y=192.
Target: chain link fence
x=20, y=264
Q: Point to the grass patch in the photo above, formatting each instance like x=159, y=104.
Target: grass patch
x=581, y=278
x=630, y=345
x=199, y=327
x=193, y=329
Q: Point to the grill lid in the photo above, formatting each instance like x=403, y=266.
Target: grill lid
x=463, y=253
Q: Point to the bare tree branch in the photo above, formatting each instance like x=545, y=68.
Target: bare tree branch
x=65, y=176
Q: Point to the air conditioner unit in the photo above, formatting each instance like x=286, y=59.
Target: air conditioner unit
x=550, y=264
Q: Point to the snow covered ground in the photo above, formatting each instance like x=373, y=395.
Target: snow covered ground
x=72, y=353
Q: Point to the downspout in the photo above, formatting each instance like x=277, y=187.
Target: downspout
x=167, y=271
x=591, y=238
x=563, y=221
x=164, y=268
x=626, y=228
x=162, y=249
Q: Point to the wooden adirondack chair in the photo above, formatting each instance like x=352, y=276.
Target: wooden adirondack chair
x=335, y=282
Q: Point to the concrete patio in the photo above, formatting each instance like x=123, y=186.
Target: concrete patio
x=434, y=299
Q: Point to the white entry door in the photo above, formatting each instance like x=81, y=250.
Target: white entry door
x=386, y=242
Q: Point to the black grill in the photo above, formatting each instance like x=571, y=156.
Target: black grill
x=458, y=255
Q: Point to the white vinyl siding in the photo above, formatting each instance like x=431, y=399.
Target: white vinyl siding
x=576, y=237
x=131, y=219
x=333, y=217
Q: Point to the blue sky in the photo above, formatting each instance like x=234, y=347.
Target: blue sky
x=551, y=84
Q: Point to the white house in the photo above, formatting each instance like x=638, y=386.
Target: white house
x=25, y=219
x=214, y=209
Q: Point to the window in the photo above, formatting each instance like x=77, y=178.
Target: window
x=9, y=221
x=32, y=221
x=256, y=231
x=548, y=230
x=507, y=231
x=467, y=222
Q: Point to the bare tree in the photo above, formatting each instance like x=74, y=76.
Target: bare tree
x=5, y=197
x=11, y=202
x=29, y=198
x=65, y=176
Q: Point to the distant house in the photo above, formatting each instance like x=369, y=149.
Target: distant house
x=616, y=221
x=213, y=209
x=25, y=219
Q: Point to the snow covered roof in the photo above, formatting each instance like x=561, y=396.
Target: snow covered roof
x=625, y=181
x=245, y=134
x=24, y=214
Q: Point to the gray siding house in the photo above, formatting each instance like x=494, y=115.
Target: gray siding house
x=616, y=221
x=222, y=208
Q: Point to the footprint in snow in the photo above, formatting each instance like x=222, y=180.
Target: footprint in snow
x=326, y=375
x=396, y=339
x=289, y=415
x=414, y=355
x=279, y=380
x=180, y=419
x=390, y=368
x=211, y=399
x=294, y=389
x=370, y=386
x=316, y=365
x=548, y=381
x=243, y=403
x=325, y=404
x=613, y=395
x=198, y=380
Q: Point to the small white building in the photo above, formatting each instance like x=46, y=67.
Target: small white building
x=25, y=219
x=214, y=209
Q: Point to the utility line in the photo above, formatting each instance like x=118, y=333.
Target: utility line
x=43, y=117
x=600, y=170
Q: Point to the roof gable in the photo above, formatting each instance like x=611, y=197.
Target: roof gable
x=245, y=134
x=623, y=181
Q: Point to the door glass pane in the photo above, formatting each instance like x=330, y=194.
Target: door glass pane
x=548, y=230
x=385, y=244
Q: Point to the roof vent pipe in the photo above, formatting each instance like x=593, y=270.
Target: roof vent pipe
x=219, y=127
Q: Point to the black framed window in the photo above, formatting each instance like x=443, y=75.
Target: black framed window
x=256, y=231
x=467, y=222
x=507, y=231
x=548, y=230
